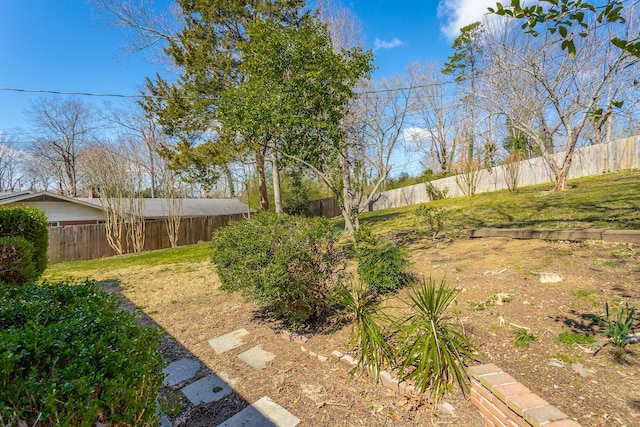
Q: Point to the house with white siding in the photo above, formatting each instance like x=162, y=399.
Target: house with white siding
x=63, y=211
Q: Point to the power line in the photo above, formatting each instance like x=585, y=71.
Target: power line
x=55, y=92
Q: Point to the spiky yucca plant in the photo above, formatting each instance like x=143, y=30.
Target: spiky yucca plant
x=367, y=328
x=430, y=348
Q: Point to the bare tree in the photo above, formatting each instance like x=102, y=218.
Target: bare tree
x=148, y=28
x=11, y=167
x=345, y=29
x=172, y=204
x=133, y=156
x=63, y=127
x=551, y=97
x=436, y=115
x=115, y=174
x=107, y=174
x=386, y=105
x=140, y=128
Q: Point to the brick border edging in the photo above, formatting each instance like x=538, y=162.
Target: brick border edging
x=501, y=400
x=505, y=402
x=386, y=378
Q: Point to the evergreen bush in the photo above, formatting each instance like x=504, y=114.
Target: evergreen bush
x=31, y=224
x=17, y=265
x=284, y=263
x=69, y=356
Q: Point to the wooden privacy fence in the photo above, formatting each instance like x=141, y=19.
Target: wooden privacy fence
x=81, y=242
x=327, y=208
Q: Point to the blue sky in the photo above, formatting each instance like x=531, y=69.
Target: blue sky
x=59, y=45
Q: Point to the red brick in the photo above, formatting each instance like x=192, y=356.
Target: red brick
x=497, y=413
x=496, y=419
x=479, y=388
x=486, y=420
x=525, y=401
x=503, y=392
x=492, y=380
x=476, y=399
x=544, y=415
x=504, y=408
x=476, y=371
x=563, y=423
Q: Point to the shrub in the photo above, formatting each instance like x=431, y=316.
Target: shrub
x=69, y=356
x=382, y=265
x=17, y=266
x=30, y=224
x=436, y=193
x=283, y=263
x=432, y=218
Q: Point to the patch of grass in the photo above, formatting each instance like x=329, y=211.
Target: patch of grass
x=81, y=269
x=523, y=338
x=586, y=295
x=494, y=299
x=610, y=264
x=570, y=338
x=562, y=357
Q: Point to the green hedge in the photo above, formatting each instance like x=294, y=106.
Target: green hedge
x=283, y=263
x=69, y=356
x=31, y=224
x=17, y=266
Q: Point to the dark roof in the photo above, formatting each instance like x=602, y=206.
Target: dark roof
x=159, y=208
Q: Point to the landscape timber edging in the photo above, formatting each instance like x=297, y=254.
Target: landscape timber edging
x=576, y=234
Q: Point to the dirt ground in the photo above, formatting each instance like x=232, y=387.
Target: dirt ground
x=596, y=390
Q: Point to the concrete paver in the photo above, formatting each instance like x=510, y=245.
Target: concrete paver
x=257, y=357
x=264, y=413
x=229, y=341
x=208, y=389
x=180, y=370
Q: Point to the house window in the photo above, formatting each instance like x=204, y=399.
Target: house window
x=101, y=222
x=53, y=224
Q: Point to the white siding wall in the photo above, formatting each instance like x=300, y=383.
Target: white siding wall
x=63, y=211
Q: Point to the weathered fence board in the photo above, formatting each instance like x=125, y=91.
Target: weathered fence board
x=81, y=242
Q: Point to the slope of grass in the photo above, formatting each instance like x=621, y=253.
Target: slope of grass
x=604, y=201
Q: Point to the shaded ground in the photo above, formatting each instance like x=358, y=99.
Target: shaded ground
x=185, y=300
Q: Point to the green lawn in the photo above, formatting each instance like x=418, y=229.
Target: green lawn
x=183, y=254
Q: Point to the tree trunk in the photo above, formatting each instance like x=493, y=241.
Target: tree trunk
x=262, y=182
x=277, y=194
x=347, y=199
x=229, y=177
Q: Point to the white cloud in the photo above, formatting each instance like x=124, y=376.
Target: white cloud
x=458, y=13
x=416, y=134
x=383, y=44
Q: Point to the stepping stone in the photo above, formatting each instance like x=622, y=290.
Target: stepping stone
x=546, y=277
x=257, y=357
x=180, y=370
x=164, y=422
x=208, y=389
x=264, y=413
x=229, y=341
